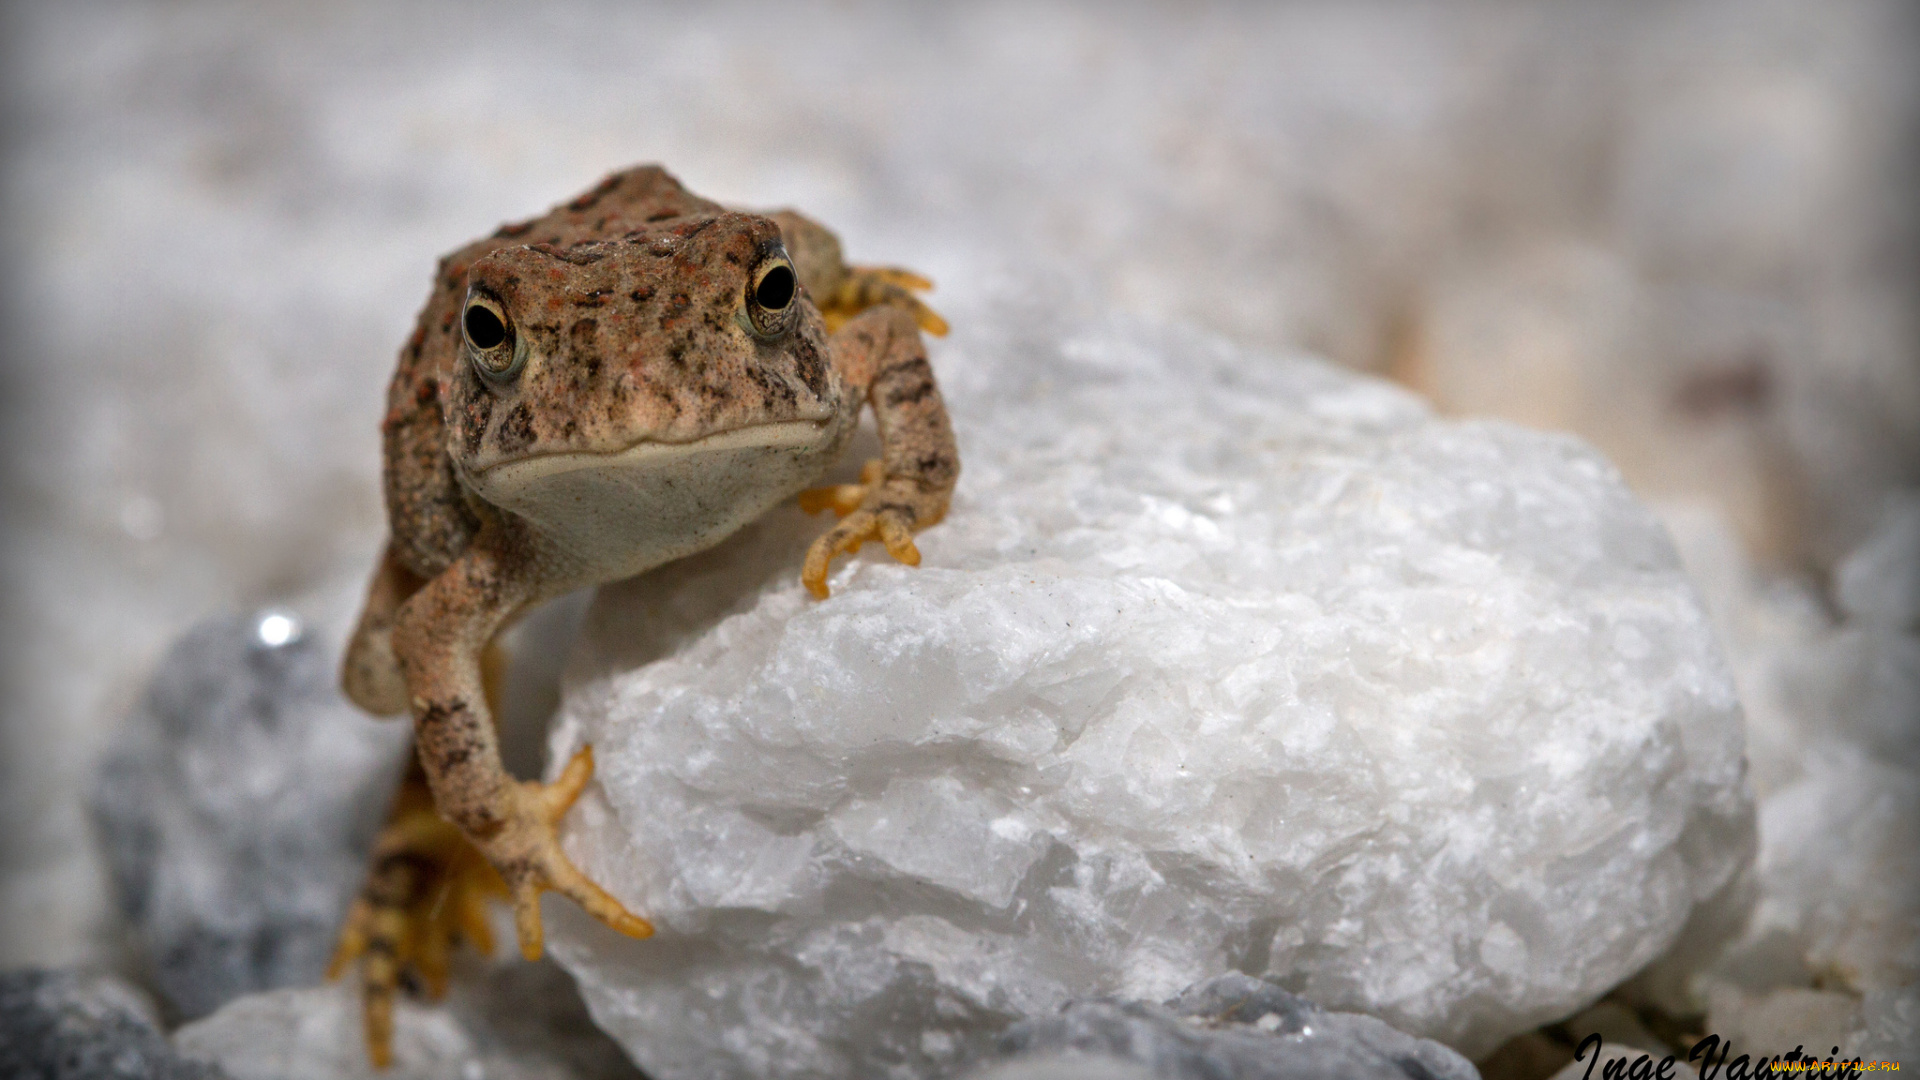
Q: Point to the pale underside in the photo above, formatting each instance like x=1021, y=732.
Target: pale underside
x=617, y=514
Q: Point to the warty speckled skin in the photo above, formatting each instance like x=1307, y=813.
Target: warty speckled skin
x=621, y=382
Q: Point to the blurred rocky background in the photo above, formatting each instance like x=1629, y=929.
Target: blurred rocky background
x=1685, y=232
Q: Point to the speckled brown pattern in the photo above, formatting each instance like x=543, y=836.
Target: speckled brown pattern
x=881, y=349
x=623, y=331
x=425, y=503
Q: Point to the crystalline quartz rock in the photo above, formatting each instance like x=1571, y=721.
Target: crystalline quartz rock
x=1228, y=1028
x=1220, y=662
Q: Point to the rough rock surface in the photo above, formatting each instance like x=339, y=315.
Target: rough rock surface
x=66, y=1025
x=1229, y=1028
x=514, y=1021
x=237, y=807
x=1220, y=662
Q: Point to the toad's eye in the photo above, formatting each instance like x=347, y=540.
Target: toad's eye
x=771, y=293
x=491, y=343
x=484, y=328
x=776, y=288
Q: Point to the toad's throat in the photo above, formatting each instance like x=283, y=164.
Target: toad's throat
x=620, y=513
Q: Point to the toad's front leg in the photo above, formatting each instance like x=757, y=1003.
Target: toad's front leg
x=910, y=486
x=438, y=638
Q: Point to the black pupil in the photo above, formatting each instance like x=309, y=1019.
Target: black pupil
x=776, y=289
x=484, y=328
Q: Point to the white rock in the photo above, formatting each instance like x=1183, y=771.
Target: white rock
x=1774, y=1022
x=1615, y=1024
x=1229, y=1028
x=1219, y=662
x=1833, y=710
x=1840, y=869
x=511, y=1022
x=1068, y=1066
x=1878, y=583
x=315, y=1034
x=1890, y=1029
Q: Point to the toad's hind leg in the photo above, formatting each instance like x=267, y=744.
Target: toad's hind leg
x=426, y=890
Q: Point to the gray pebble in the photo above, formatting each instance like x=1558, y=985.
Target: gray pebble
x=237, y=807
x=64, y=1025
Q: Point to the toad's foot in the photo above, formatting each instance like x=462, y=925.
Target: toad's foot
x=428, y=888
x=871, y=286
x=527, y=853
x=844, y=499
x=873, y=509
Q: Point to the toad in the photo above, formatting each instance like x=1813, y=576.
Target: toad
x=590, y=394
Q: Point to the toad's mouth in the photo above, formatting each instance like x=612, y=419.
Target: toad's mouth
x=646, y=455
x=627, y=510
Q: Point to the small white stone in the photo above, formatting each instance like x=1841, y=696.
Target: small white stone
x=511, y=1022
x=1878, y=583
x=1831, y=708
x=315, y=1034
